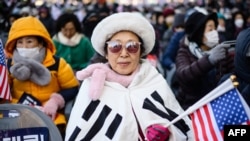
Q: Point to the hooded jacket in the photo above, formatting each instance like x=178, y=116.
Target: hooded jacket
x=62, y=80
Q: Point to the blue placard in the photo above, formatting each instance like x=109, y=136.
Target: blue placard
x=25, y=134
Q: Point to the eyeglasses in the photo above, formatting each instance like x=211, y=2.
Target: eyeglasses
x=116, y=46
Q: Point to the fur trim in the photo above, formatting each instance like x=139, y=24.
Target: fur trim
x=134, y=22
x=72, y=42
x=20, y=71
x=30, y=69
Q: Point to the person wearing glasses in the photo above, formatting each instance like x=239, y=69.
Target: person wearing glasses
x=125, y=98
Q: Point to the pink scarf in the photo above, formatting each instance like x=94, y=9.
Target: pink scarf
x=101, y=72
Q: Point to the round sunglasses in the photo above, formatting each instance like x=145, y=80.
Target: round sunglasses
x=116, y=46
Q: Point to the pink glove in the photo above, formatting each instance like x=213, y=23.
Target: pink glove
x=55, y=102
x=157, y=133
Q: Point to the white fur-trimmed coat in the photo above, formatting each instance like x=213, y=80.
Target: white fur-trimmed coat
x=113, y=115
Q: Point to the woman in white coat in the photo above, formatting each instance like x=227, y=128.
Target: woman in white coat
x=125, y=99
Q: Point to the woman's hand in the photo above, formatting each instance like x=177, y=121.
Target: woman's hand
x=55, y=102
x=157, y=133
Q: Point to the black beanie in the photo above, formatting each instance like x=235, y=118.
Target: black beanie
x=195, y=25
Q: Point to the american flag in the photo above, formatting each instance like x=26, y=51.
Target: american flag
x=4, y=86
x=227, y=109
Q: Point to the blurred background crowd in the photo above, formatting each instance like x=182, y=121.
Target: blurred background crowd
x=182, y=28
x=167, y=16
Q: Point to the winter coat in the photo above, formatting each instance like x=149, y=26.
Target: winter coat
x=197, y=77
x=119, y=111
x=78, y=56
x=242, y=65
x=170, y=52
x=62, y=76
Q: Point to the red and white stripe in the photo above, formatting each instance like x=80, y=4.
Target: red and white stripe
x=4, y=86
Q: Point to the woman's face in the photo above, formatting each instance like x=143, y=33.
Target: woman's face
x=210, y=26
x=28, y=42
x=68, y=30
x=238, y=16
x=221, y=22
x=124, y=62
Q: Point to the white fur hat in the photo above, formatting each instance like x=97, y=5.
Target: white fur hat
x=134, y=22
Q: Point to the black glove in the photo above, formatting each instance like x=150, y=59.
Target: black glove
x=218, y=53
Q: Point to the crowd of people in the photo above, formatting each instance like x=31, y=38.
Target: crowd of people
x=129, y=70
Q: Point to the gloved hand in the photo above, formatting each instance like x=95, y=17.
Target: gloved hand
x=157, y=133
x=218, y=53
x=55, y=102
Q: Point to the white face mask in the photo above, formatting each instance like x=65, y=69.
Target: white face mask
x=28, y=52
x=238, y=23
x=212, y=38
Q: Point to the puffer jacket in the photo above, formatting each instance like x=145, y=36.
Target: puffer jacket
x=197, y=77
x=62, y=80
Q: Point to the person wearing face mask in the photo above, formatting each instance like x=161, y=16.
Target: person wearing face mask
x=37, y=77
x=237, y=25
x=200, y=58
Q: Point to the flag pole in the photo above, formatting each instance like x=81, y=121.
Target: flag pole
x=221, y=89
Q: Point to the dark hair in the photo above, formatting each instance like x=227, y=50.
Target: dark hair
x=41, y=40
x=243, y=16
x=65, y=18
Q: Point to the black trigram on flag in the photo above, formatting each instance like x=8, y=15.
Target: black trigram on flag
x=111, y=130
x=168, y=114
x=98, y=123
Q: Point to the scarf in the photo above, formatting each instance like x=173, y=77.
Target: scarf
x=101, y=72
x=195, y=50
x=30, y=68
x=74, y=40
